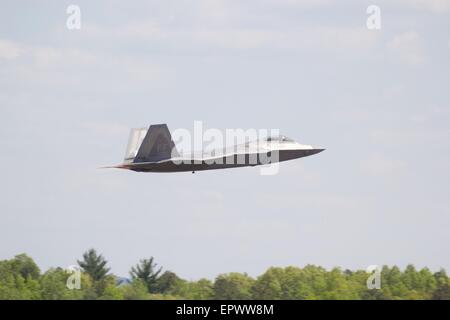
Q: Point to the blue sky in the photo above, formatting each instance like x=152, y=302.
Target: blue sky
x=379, y=101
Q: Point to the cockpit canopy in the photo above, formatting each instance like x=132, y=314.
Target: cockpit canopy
x=279, y=139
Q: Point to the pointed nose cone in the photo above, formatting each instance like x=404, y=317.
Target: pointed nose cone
x=316, y=150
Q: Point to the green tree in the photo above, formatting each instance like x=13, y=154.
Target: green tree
x=13, y=284
x=94, y=265
x=20, y=278
x=146, y=271
x=137, y=290
x=167, y=283
x=25, y=266
x=233, y=286
x=295, y=284
x=338, y=287
x=421, y=284
x=201, y=290
x=427, y=283
x=8, y=289
x=109, y=289
x=53, y=286
x=357, y=282
x=393, y=287
x=191, y=290
x=269, y=285
x=89, y=290
x=316, y=280
x=442, y=291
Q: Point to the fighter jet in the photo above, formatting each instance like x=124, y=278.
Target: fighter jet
x=153, y=150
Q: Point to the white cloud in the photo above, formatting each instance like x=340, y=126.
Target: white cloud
x=236, y=38
x=47, y=57
x=44, y=56
x=408, y=47
x=303, y=3
x=410, y=136
x=27, y=63
x=107, y=128
x=312, y=38
x=228, y=12
x=337, y=38
x=307, y=174
x=144, y=30
x=434, y=6
x=218, y=10
x=10, y=50
x=378, y=165
x=331, y=201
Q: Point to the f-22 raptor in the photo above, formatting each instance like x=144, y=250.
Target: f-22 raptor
x=153, y=150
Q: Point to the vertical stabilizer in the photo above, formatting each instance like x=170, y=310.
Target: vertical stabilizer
x=156, y=145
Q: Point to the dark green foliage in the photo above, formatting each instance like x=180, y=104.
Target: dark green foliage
x=166, y=283
x=20, y=278
x=137, y=290
x=234, y=286
x=53, y=285
x=146, y=271
x=94, y=265
x=24, y=265
x=442, y=291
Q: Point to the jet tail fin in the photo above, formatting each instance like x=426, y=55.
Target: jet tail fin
x=150, y=145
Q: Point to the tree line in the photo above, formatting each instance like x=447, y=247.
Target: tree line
x=21, y=278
